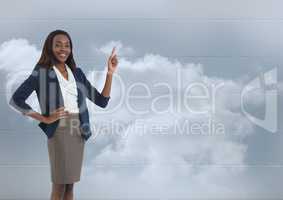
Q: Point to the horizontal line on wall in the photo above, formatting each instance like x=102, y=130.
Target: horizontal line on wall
x=156, y=164
x=181, y=56
x=258, y=196
x=79, y=58
x=148, y=19
x=255, y=91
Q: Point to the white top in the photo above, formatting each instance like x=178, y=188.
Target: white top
x=68, y=89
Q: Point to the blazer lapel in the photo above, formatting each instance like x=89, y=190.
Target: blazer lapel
x=54, y=92
x=78, y=83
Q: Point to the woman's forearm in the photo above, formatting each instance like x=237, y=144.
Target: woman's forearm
x=37, y=116
x=112, y=63
x=107, y=86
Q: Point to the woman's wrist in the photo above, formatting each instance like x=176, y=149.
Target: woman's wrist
x=44, y=119
x=110, y=73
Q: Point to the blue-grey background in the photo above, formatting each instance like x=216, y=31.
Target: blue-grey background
x=213, y=41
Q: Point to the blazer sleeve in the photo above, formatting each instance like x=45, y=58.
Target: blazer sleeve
x=19, y=97
x=92, y=93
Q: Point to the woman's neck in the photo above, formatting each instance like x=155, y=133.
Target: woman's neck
x=61, y=67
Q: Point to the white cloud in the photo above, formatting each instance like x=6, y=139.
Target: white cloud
x=120, y=48
x=141, y=162
x=17, y=59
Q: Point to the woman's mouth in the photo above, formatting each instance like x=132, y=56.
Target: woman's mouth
x=62, y=55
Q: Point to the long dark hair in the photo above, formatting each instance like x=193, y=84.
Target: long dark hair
x=47, y=58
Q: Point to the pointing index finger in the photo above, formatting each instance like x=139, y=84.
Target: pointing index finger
x=113, y=51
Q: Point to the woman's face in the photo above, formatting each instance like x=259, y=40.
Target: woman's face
x=61, y=47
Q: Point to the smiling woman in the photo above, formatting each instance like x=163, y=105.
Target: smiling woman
x=61, y=50
x=58, y=48
x=64, y=117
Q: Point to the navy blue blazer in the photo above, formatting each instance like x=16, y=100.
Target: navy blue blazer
x=44, y=81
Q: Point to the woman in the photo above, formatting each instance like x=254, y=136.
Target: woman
x=62, y=89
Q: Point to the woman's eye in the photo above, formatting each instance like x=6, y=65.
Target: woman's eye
x=57, y=45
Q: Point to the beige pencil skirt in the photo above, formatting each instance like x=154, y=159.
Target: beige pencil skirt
x=66, y=150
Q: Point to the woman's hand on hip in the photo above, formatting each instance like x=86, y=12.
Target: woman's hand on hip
x=59, y=113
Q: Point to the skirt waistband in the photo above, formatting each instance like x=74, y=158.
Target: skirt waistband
x=73, y=118
x=73, y=114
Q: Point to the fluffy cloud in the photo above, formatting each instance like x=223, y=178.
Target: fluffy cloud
x=17, y=59
x=107, y=48
x=176, y=152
